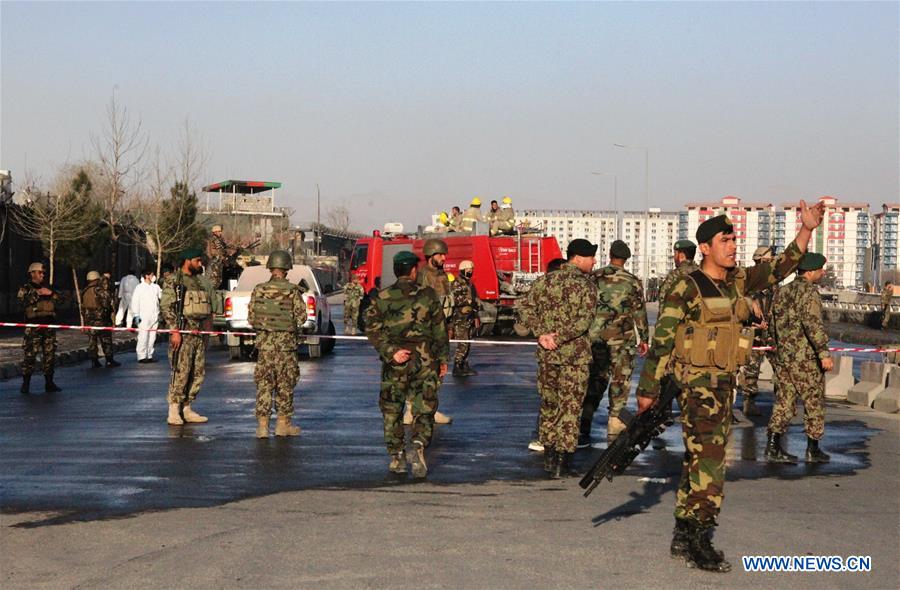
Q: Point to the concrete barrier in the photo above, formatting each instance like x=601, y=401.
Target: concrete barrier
x=873, y=380
x=889, y=399
x=840, y=380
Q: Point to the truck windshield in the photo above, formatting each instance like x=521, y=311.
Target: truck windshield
x=359, y=257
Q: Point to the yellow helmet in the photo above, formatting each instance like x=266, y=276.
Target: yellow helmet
x=443, y=218
x=507, y=201
x=450, y=277
x=476, y=202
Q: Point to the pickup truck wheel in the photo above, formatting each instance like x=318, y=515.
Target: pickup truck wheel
x=328, y=343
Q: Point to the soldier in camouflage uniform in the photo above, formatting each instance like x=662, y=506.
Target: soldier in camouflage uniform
x=433, y=275
x=560, y=308
x=621, y=295
x=276, y=311
x=99, y=308
x=700, y=342
x=684, y=252
x=39, y=304
x=464, y=322
x=748, y=380
x=187, y=352
x=886, y=295
x=406, y=325
x=217, y=251
x=801, y=360
x=353, y=295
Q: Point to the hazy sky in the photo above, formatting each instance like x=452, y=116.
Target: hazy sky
x=398, y=110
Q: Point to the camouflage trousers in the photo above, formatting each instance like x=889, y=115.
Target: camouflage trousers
x=276, y=376
x=805, y=381
x=562, y=389
x=99, y=338
x=351, y=317
x=612, y=366
x=417, y=383
x=748, y=380
x=39, y=341
x=705, y=423
x=213, y=272
x=463, y=329
x=885, y=317
x=188, y=377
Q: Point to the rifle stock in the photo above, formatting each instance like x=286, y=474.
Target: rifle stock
x=640, y=431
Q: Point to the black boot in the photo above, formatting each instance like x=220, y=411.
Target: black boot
x=550, y=459
x=95, y=363
x=700, y=551
x=567, y=468
x=774, y=452
x=49, y=385
x=584, y=432
x=111, y=362
x=814, y=454
x=681, y=538
x=750, y=408
x=468, y=370
x=26, y=384
x=458, y=370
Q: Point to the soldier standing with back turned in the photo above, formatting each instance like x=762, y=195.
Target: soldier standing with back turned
x=406, y=325
x=700, y=342
x=276, y=311
x=39, y=304
x=353, y=294
x=98, y=303
x=683, y=256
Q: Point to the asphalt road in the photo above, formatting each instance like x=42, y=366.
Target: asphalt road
x=98, y=491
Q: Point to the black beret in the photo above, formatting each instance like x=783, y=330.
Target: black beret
x=811, y=261
x=581, y=247
x=685, y=245
x=620, y=249
x=709, y=228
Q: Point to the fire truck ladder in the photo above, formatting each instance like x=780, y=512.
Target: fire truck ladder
x=534, y=255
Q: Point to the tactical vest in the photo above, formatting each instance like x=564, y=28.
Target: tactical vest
x=274, y=315
x=42, y=309
x=717, y=340
x=197, y=305
x=89, y=298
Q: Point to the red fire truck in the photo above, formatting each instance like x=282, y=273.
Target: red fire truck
x=505, y=266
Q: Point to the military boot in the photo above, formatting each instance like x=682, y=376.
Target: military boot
x=567, y=466
x=398, y=462
x=558, y=467
x=775, y=453
x=440, y=418
x=468, y=370
x=26, y=384
x=49, y=385
x=174, y=415
x=112, y=363
x=284, y=427
x=191, y=416
x=701, y=553
x=550, y=459
x=814, y=454
x=681, y=538
x=95, y=363
x=262, y=427
x=458, y=370
x=419, y=468
x=750, y=408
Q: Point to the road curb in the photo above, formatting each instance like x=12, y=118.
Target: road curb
x=68, y=357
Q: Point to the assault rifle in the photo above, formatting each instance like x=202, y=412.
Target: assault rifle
x=179, y=320
x=616, y=458
x=232, y=253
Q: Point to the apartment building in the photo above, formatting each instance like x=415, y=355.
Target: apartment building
x=886, y=234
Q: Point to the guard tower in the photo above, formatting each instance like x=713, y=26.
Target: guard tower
x=246, y=207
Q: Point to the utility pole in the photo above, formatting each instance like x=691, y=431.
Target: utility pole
x=318, y=220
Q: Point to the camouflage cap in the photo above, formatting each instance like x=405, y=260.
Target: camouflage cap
x=190, y=254
x=712, y=226
x=684, y=245
x=620, y=249
x=405, y=257
x=811, y=261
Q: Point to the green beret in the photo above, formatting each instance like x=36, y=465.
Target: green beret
x=685, y=245
x=709, y=228
x=620, y=249
x=190, y=254
x=405, y=257
x=811, y=261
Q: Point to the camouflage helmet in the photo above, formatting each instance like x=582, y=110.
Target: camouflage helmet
x=280, y=259
x=93, y=276
x=466, y=265
x=434, y=246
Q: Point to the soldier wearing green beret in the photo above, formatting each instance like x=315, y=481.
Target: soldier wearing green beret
x=684, y=252
x=406, y=325
x=700, y=342
x=801, y=361
x=189, y=292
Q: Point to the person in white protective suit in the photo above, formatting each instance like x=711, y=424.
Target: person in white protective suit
x=144, y=306
x=126, y=290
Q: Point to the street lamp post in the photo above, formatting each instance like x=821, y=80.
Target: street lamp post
x=645, y=254
x=615, y=200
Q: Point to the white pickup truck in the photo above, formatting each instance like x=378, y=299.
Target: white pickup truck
x=318, y=314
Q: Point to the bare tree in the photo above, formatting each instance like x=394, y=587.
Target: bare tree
x=193, y=156
x=120, y=149
x=338, y=217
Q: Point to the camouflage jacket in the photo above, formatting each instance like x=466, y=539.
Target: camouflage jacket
x=167, y=300
x=436, y=278
x=797, y=323
x=621, y=295
x=408, y=316
x=682, y=304
x=290, y=297
x=683, y=269
x=465, y=300
x=886, y=294
x=562, y=302
x=103, y=300
x=28, y=298
x=353, y=294
x=216, y=247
